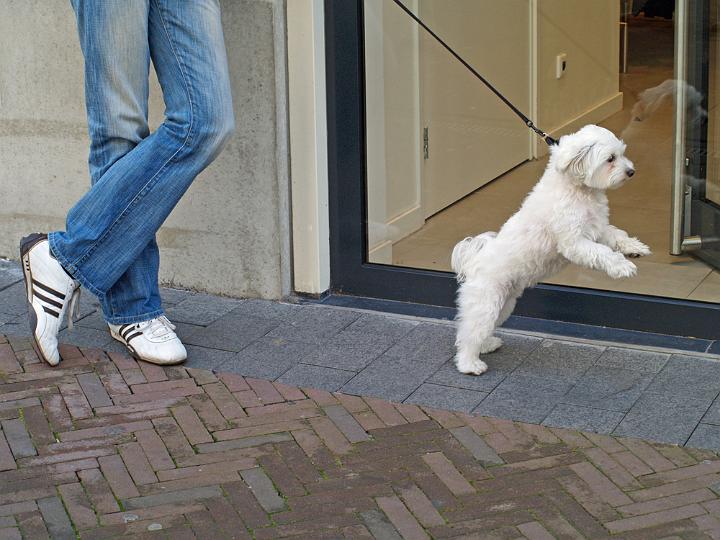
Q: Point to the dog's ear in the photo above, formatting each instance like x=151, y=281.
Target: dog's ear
x=571, y=157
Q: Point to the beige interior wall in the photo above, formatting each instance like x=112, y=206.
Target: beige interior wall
x=393, y=129
x=589, y=33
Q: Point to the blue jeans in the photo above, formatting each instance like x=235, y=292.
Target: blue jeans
x=137, y=178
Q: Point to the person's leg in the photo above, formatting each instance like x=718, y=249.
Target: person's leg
x=114, y=41
x=111, y=225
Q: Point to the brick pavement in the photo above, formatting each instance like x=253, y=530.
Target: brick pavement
x=634, y=391
x=105, y=446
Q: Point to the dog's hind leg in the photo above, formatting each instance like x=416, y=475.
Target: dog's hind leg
x=479, y=309
x=507, y=310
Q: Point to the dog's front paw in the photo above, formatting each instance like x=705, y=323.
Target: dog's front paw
x=632, y=247
x=470, y=366
x=622, y=269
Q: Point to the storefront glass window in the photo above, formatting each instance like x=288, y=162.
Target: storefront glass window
x=446, y=159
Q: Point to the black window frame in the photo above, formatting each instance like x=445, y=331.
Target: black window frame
x=351, y=273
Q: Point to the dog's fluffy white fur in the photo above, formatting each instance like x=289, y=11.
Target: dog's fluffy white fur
x=565, y=218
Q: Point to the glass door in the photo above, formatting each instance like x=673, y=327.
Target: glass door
x=699, y=107
x=412, y=139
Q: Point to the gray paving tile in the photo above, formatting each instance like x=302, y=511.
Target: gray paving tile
x=712, y=416
x=88, y=303
x=349, y=350
x=173, y=497
x=323, y=378
x=477, y=446
x=94, y=390
x=315, y=324
x=56, y=520
x=10, y=273
x=446, y=397
x=390, y=378
x=18, y=327
x=426, y=343
x=583, y=418
x=7, y=318
x=81, y=336
x=93, y=320
x=15, y=329
x=705, y=436
x=183, y=330
x=18, y=438
x=500, y=363
x=263, y=489
x=170, y=296
x=201, y=309
x=527, y=402
x=204, y=358
x=663, y=418
x=230, y=332
x=267, y=309
x=346, y=423
x=379, y=525
x=608, y=388
x=524, y=382
x=115, y=346
x=560, y=360
x=634, y=359
x=268, y=358
x=382, y=325
x=13, y=299
x=688, y=376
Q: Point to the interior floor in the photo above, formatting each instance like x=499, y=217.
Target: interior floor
x=641, y=207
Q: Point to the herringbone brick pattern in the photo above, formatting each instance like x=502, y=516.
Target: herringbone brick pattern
x=104, y=446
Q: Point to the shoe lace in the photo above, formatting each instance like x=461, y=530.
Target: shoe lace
x=158, y=327
x=167, y=322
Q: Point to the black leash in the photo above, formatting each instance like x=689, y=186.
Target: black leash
x=529, y=123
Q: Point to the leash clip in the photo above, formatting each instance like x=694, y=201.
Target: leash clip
x=544, y=136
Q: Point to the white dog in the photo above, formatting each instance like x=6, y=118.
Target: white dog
x=563, y=219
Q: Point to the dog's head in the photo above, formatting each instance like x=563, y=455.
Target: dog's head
x=594, y=157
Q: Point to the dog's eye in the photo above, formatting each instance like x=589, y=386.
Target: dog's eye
x=611, y=159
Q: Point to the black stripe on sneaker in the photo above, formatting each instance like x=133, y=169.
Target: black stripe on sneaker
x=46, y=299
x=129, y=338
x=49, y=290
x=127, y=331
x=51, y=312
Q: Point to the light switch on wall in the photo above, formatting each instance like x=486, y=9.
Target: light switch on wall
x=560, y=65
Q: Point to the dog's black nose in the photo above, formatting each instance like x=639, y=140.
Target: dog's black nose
x=630, y=172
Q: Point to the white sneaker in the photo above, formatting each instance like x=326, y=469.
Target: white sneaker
x=153, y=341
x=51, y=293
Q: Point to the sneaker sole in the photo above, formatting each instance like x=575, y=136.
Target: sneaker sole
x=138, y=357
x=26, y=244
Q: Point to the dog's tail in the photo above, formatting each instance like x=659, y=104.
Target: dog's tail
x=464, y=251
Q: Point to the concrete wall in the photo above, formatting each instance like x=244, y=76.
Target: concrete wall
x=230, y=234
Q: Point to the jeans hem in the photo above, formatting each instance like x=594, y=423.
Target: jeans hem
x=132, y=319
x=71, y=269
